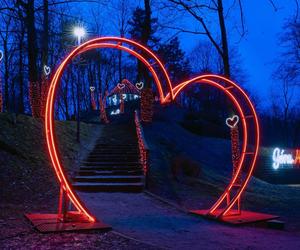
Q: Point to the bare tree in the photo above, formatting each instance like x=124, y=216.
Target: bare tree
x=200, y=12
x=287, y=77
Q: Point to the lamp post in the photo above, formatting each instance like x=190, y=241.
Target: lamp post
x=1, y=98
x=79, y=33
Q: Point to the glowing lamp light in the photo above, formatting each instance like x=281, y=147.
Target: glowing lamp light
x=115, y=112
x=79, y=32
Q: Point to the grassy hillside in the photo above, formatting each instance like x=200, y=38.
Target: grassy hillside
x=26, y=173
x=175, y=151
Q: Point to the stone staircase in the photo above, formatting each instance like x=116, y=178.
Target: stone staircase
x=113, y=165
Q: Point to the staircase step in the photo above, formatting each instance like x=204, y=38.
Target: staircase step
x=109, y=178
x=109, y=160
x=110, y=172
x=113, y=165
x=111, y=168
x=113, y=154
x=109, y=187
x=116, y=145
x=106, y=149
x=124, y=147
x=109, y=163
x=115, y=151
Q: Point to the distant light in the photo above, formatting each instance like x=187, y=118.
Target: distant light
x=115, y=112
x=114, y=99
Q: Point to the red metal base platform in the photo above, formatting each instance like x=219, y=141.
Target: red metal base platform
x=236, y=218
x=47, y=223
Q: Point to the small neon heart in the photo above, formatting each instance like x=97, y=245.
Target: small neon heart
x=121, y=85
x=47, y=70
x=232, y=121
x=1, y=55
x=92, y=88
x=139, y=85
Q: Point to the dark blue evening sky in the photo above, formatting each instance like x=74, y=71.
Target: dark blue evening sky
x=259, y=48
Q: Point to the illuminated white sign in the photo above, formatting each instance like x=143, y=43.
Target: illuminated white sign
x=280, y=157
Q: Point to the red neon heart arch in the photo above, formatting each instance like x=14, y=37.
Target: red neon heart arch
x=232, y=90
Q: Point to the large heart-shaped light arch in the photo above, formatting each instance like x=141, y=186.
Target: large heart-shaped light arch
x=161, y=76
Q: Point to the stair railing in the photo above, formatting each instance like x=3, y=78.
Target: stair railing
x=143, y=147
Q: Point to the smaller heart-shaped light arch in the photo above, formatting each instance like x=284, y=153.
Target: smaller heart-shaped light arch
x=250, y=125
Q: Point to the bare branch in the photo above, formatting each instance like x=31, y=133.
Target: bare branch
x=273, y=4
x=183, y=30
x=199, y=19
x=242, y=17
x=297, y=10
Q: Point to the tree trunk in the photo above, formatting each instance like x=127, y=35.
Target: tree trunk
x=6, y=66
x=225, y=54
x=32, y=59
x=32, y=44
x=21, y=74
x=45, y=37
x=147, y=94
x=45, y=34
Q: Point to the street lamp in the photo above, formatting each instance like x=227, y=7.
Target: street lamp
x=79, y=32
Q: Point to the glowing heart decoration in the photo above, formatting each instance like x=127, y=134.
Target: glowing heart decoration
x=47, y=70
x=92, y=88
x=139, y=85
x=121, y=85
x=1, y=55
x=232, y=121
x=166, y=93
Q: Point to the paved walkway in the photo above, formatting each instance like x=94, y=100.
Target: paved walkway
x=147, y=219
